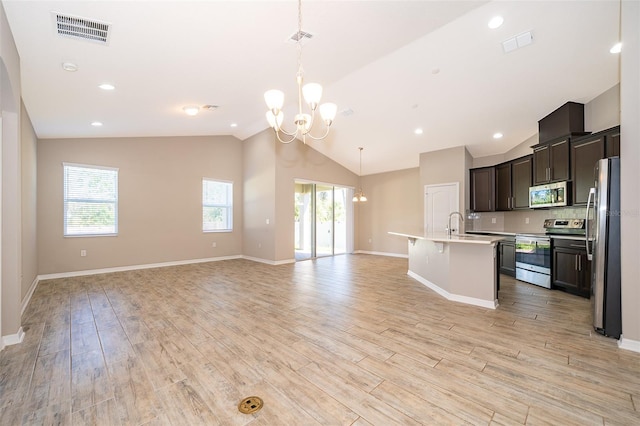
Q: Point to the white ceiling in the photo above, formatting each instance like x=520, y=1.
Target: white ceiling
x=376, y=58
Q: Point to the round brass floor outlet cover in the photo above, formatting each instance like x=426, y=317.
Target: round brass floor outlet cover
x=250, y=405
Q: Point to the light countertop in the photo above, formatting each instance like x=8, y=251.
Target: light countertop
x=442, y=237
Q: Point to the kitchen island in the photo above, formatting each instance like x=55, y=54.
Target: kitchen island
x=461, y=268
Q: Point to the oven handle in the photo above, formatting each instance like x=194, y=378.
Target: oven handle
x=592, y=195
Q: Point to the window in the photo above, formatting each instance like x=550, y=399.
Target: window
x=90, y=200
x=217, y=205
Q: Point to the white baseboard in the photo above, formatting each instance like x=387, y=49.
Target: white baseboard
x=628, y=344
x=133, y=267
x=381, y=253
x=27, y=298
x=269, y=262
x=454, y=297
x=12, y=339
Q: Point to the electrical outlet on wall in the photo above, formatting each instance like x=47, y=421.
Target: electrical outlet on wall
x=83, y=253
x=493, y=220
x=214, y=244
x=526, y=220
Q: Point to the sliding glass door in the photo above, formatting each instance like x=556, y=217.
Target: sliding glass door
x=323, y=220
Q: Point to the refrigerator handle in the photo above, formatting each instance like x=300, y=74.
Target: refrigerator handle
x=592, y=195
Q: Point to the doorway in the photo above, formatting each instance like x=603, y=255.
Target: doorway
x=323, y=220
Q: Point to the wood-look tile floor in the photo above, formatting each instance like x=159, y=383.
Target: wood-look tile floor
x=348, y=340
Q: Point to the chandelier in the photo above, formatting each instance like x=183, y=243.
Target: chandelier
x=359, y=195
x=312, y=92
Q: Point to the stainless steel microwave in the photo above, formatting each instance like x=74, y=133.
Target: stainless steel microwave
x=549, y=195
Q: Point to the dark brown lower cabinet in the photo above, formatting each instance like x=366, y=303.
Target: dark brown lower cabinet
x=507, y=257
x=571, y=271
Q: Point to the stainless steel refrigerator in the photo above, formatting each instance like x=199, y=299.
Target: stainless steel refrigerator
x=603, y=230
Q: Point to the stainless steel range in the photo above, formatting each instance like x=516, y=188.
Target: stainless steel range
x=533, y=251
x=533, y=259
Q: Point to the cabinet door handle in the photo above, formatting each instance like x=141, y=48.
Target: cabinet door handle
x=579, y=263
x=575, y=261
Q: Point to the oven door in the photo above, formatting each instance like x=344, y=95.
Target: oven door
x=533, y=260
x=534, y=251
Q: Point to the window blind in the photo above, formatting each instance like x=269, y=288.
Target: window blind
x=90, y=200
x=217, y=205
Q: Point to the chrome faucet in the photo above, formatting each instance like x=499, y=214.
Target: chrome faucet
x=449, y=230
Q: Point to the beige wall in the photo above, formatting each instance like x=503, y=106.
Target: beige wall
x=159, y=206
x=395, y=202
x=603, y=112
x=446, y=166
x=29, y=144
x=10, y=176
x=630, y=170
x=259, y=197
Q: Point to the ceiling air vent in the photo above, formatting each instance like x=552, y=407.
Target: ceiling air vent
x=301, y=36
x=82, y=28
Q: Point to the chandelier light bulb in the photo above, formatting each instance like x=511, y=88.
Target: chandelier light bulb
x=274, y=99
x=328, y=112
x=273, y=120
x=312, y=93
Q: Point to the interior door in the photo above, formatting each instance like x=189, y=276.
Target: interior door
x=440, y=201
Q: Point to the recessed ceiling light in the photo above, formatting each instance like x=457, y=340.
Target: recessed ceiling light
x=69, y=66
x=191, y=110
x=96, y=124
x=234, y=124
x=617, y=48
x=497, y=135
x=107, y=86
x=495, y=22
x=418, y=131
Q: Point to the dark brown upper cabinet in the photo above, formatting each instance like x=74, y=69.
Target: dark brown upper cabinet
x=612, y=142
x=521, y=172
x=585, y=152
x=504, y=187
x=551, y=161
x=513, y=180
x=482, y=191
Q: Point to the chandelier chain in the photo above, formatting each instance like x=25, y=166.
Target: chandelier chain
x=299, y=42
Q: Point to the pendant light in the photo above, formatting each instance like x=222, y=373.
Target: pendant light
x=359, y=196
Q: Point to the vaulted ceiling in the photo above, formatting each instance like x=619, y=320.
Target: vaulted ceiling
x=391, y=66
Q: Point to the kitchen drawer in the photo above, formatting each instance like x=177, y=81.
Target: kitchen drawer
x=572, y=244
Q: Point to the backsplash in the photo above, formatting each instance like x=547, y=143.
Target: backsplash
x=516, y=221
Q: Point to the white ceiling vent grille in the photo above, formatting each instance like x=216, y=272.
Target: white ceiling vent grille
x=81, y=28
x=301, y=36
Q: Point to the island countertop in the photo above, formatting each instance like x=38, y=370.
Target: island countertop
x=443, y=237
x=461, y=268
